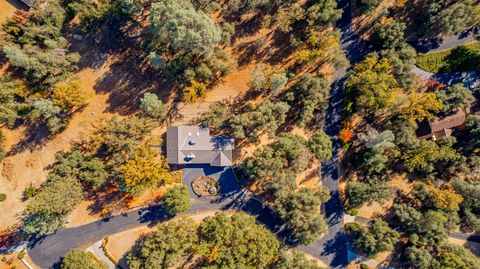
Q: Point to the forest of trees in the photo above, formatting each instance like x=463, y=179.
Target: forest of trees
x=221, y=241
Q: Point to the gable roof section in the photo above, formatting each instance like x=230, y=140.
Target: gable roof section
x=194, y=145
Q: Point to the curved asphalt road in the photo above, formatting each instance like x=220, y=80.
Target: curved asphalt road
x=331, y=249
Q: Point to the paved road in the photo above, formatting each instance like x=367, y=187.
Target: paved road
x=469, y=79
x=333, y=248
x=49, y=250
x=436, y=44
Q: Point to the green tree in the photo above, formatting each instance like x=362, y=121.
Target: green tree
x=266, y=79
x=217, y=116
x=89, y=170
x=389, y=35
x=376, y=238
x=152, y=106
x=265, y=118
x=470, y=207
x=321, y=145
x=117, y=139
x=91, y=14
x=301, y=211
x=177, y=199
x=57, y=196
x=78, y=259
x=44, y=111
x=423, y=228
x=359, y=193
x=308, y=95
x=323, y=13
x=236, y=241
x=455, y=98
x=378, y=147
x=419, y=258
x=41, y=224
x=430, y=158
x=177, y=28
x=367, y=6
x=8, y=101
x=170, y=244
x=403, y=61
x=280, y=161
x=446, y=17
x=373, y=83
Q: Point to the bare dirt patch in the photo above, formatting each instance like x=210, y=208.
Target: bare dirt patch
x=472, y=246
x=29, y=163
x=398, y=183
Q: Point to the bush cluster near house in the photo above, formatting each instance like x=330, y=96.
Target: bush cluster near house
x=221, y=241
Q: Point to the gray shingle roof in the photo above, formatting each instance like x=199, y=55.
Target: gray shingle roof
x=194, y=145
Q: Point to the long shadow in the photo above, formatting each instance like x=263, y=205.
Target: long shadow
x=130, y=73
x=34, y=138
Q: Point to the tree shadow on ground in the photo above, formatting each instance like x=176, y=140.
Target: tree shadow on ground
x=33, y=139
x=130, y=73
x=337, y=247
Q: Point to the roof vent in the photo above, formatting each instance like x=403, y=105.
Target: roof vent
x=192, y=142
x=190, y=156
x=189, y=134
x=198, y=133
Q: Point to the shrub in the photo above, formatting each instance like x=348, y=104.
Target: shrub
x=3, y=197
x=29, y=192
x=152, y=106
x=364, y=266
x=21, y=255
x=177, y=199
x=194, y=91
x=352, y=211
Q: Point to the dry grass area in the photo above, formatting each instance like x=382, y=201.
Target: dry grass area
x=397, y=183
x=472, y=246
x=31, y=165
x=7, y=8
x=310, y=178
x=11, y=261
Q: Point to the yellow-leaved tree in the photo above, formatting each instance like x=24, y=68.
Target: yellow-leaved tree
x=70, y=95
x=147, y=168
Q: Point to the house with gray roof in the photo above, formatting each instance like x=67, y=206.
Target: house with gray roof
x=194, y=145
